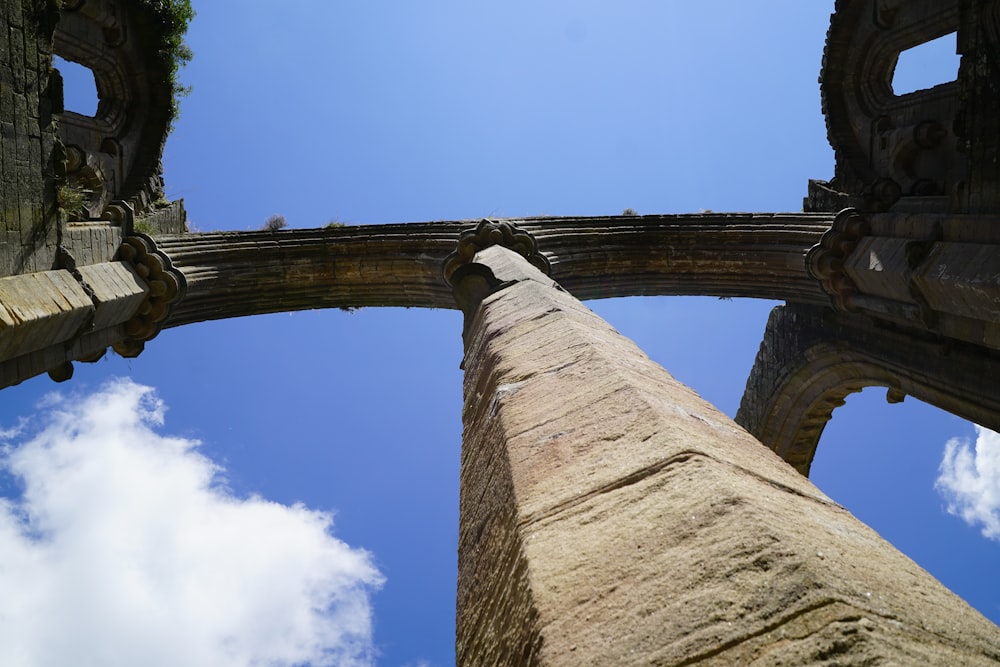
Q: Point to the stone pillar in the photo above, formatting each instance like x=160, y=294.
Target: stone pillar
x=610, y=516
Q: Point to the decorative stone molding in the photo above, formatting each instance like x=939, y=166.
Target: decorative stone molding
x=166, y=287
x=825, y=260
x=120, y=214
x=236, y=274
x=894, y=151
x=494, y=232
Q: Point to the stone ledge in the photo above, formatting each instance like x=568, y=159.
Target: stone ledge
x=40, y=309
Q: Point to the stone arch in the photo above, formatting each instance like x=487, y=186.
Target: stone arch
x=811, y=359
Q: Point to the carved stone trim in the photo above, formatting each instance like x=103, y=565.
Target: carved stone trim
x=167, y=286
x=494, y=232
x=120, y=214
x=884, y=162
x=825, y=260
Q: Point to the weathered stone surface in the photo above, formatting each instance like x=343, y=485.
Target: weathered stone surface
x=962, y=279
x=87, y=346
x=978, y=124
x=611, y=516
x=117, y=292
x=115, y=154
x=937, y=273
x=897, y=152
x=811, y=358
x=40, y=309
x=878, y=267
x=92, y=243
x=170, y=219
x=243, y=273
x=27, y=191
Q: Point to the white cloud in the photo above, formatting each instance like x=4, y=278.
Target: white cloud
x=13, y=432
x=126, y=550
x=969, y=480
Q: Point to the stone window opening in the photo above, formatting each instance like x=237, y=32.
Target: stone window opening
x=926, y=65
x=79, y=87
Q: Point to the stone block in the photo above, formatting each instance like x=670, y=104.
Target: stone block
x=962, y=279
x=878, y=267
x=118, y=292
x=40, y=309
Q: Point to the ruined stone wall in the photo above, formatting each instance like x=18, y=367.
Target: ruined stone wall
x=28, y=99
x=73, y=279
x=116, y=153
x=978, y=126
x=912, y=268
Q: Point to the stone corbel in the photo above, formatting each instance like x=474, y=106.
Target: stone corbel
x=825, y=260
x=489, y=258
x=489, y=233
x=166, y=287
x=120, y=214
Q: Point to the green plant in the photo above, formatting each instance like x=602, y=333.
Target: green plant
x=71, y=200
x=335, y=224
x=630, y=212
x=143, y=225
x=174, y=16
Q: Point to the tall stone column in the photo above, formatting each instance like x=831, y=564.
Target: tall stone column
x=610, y=516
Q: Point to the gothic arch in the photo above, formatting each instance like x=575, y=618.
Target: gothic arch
x=811, y=359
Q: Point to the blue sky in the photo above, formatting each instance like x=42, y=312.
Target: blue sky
x=345, y=428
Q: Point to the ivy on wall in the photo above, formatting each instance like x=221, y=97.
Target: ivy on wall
x=174, y=16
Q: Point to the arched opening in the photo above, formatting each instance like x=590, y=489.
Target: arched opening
x=886, y=463
x=79, y=87
x=927, y=65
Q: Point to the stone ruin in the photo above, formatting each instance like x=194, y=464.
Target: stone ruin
x=633, y=522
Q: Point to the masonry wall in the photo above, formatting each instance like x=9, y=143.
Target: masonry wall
x=28, y=98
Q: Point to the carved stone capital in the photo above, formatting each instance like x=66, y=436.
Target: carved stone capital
x=825, y=260
x=494, y=232
x=166, y=287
